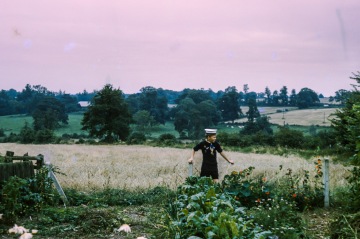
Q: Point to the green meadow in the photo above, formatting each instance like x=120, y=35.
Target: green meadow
x=302, y=122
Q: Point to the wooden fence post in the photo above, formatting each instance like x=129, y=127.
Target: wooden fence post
x=326, y=182
x=190, y=169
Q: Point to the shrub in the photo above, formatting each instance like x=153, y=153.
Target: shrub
x=246, y=189
x=203, y=210
x=289, y=138
x=136, y=138
x=11, y=138
x=279, y=216
x=23, y=196
x=354, y=190
x=2, y=132
x=167, y=139
x=44, y=136
x=262, y=138
x=27, y=134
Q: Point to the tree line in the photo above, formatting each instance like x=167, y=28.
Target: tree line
x=111, y=112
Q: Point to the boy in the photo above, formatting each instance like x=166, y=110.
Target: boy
x=209, y=146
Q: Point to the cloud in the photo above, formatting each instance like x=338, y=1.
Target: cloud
x=70, y=46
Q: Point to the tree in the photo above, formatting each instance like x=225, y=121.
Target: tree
x=108, y=115
x=284, y=96
x=196, y=95
x=133, y=103
x=70, y=102
x=347, y=121
x=341, y=96
x=150, y=101
x=307, y=98
x=275, y=98
x=5, y=106
x=143, y=120
x=293, y=98
x=228, y=104
x=191, y=118
x=253, y=111
x=260, y=125
x=31, y=95
x=268, y=95
x=49, y=113
x=27, y=134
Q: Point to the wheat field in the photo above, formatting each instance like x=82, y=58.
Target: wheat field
x=305, y=117
x=93, y=167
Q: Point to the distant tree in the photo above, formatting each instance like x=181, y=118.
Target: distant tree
x=49, y=113
x=150, y=101
x=196, y=95
x=133, y=102
x=253, y=111
x=284, y=96
x=85, y=96
x=31, y=95
x=275, y=98
x=143, y=120
x=108, y=115
x=246, y=92
x=307, y=98
x=293, y=98
x=228, y=104
x=12, y=93
x=341, y=96
x=70, y=102
x=191, y=118
x=246, y=88
x=27, y=134
x=261, y=124
x=5, y=106
x=268, y=96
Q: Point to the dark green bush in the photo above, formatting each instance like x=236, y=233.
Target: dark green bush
x=11, y=138
x=21, y=197
x=167, y=139
x=27, y=134
x=289, y=138
x=136, y=138
x=44, y=136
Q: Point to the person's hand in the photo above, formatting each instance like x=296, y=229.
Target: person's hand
x=190, y=160
x=230, y=161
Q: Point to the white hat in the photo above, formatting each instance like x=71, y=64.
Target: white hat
x=210, y=131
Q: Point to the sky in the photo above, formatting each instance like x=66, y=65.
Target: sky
x=77, y=45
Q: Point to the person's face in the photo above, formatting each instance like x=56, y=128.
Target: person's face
x=211, y=138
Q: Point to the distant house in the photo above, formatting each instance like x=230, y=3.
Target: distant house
x=84, y=104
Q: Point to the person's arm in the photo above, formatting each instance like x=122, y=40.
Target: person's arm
x=224, y=156
x=191, y=159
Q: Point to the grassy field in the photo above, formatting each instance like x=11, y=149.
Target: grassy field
x=300, y=119
x=294, y=116
x=131, y=167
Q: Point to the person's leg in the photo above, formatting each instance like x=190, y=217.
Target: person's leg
x=215, y=176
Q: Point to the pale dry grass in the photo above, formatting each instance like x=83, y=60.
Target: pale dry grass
x=119, y=166
x=304, y=117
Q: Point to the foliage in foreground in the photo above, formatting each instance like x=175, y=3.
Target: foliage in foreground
x=242, y=206
x=203, y=210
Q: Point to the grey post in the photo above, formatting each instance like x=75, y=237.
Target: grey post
x=190, y=169
x=326, y=182
x=56, y=183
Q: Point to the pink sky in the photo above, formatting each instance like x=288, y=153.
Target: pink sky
x=76, y=45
